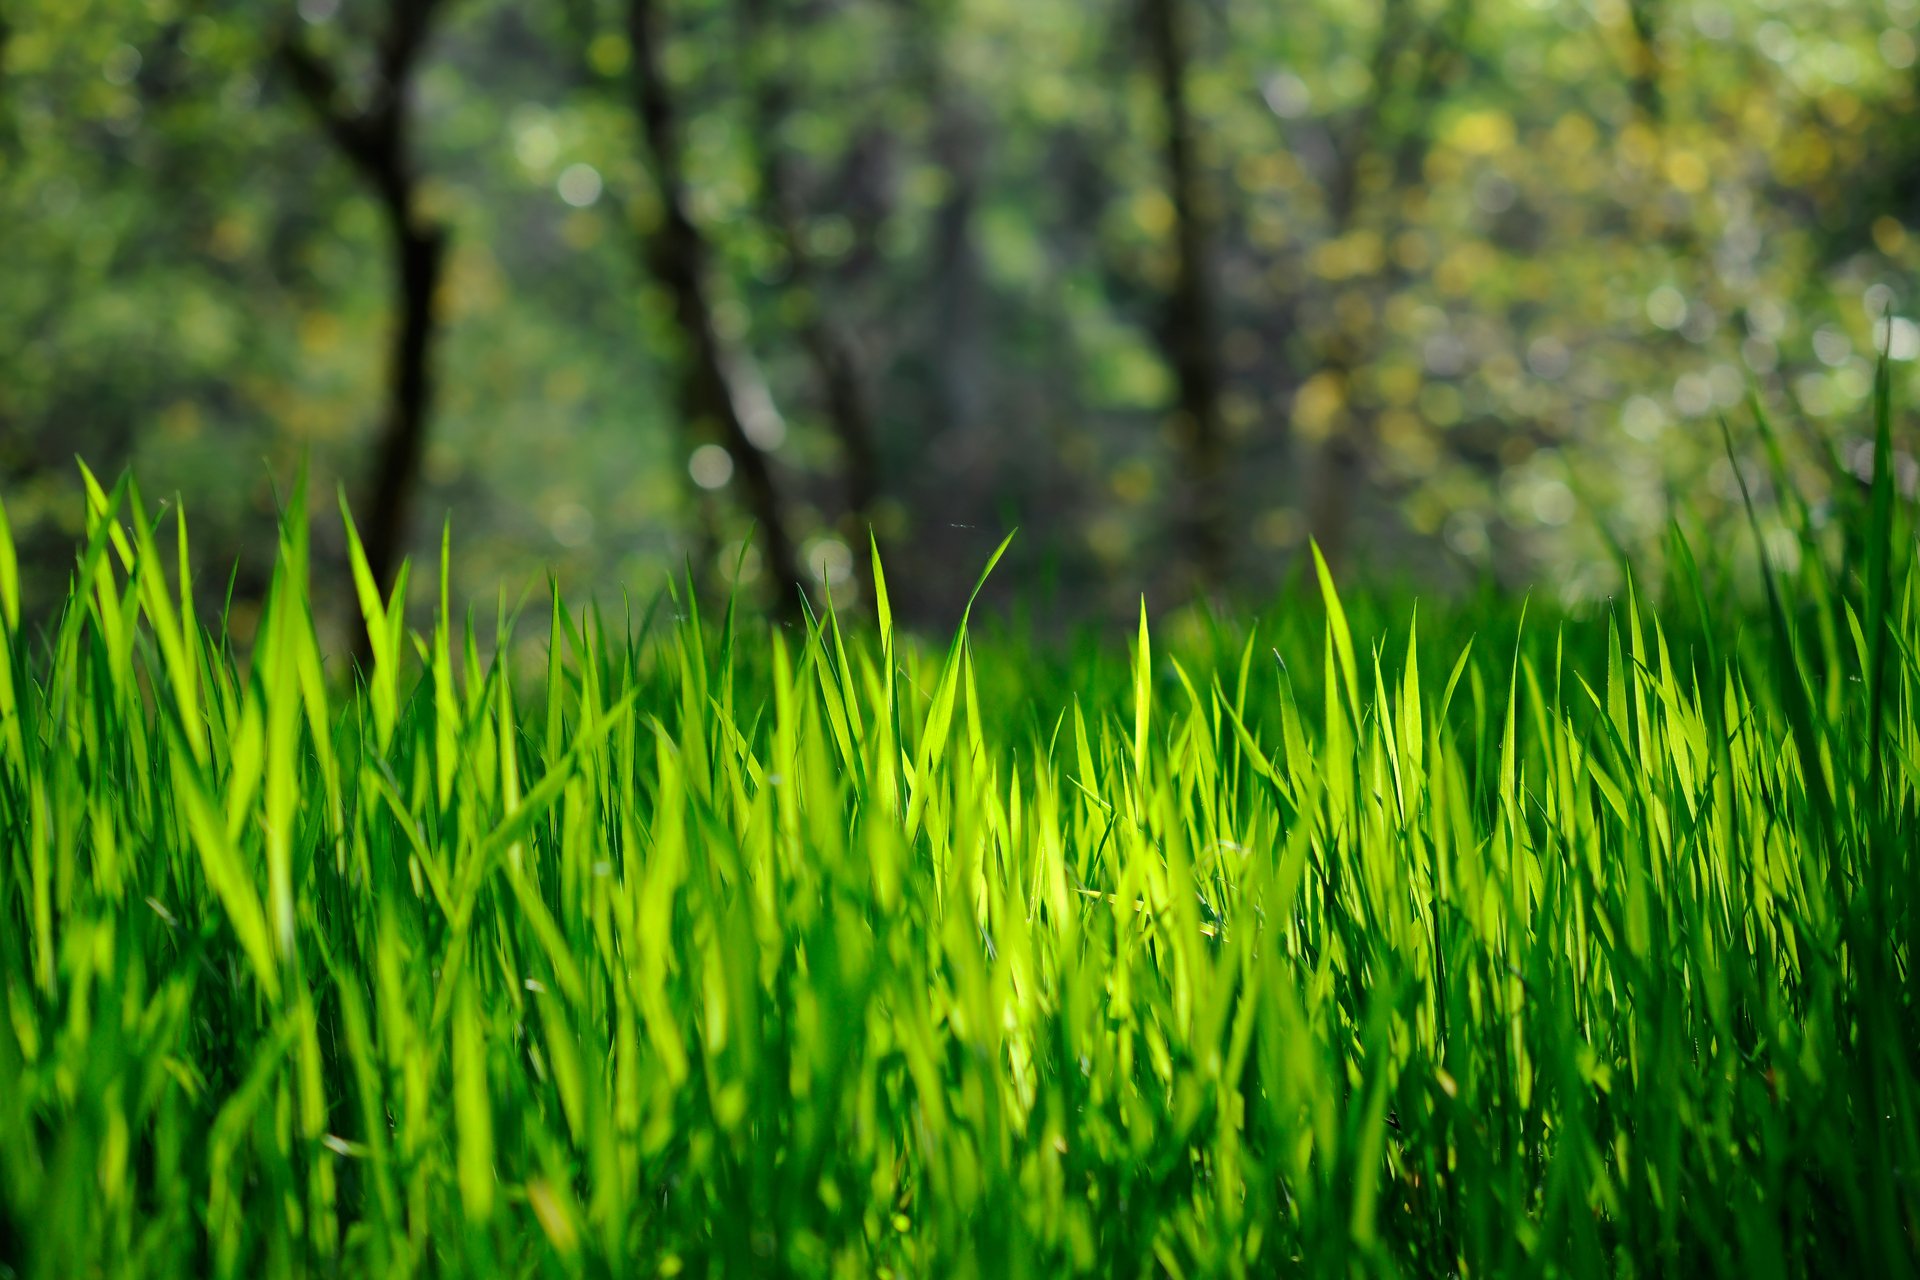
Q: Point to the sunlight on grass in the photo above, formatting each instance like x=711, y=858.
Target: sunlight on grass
x=1495, y=942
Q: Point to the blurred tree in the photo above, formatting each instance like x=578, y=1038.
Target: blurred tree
x=720, y=390
x=839, y=365
x=1379, y=158
x=370, y=125
x=1190, y=323
x=1462, y=291
x=1643, y=59
x=957, y=151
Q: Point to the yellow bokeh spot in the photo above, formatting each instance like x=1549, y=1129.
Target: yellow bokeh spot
x=1841, y=107
x=608, y=53
x=1424, y=513
x=1409, y=446
x=1443, y=165
x=1153, y=213
x=1574, y=135
x=1318, y=404
x=319, y=332
x=232, y=238
x=1412, y=251
x=1803, y=157
x=1260, y=172
x=1638, y=145
x=1052, y=97
x=1687, y=171
x=1535, y=281
x=1133, y=482
x=644, y=211
x=1441, y=404
x=1358, y=253
x=437, y=200
x=1278, y=528
x=1399, y=384
x=1482, y=133
x=474, y=283
x=1761, y=119
x=1464, y=267
x=1888, y=235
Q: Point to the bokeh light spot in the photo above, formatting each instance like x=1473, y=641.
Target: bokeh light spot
x=579, y=185
x=711, y=466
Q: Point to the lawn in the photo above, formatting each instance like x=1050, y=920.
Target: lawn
x=1366, y=936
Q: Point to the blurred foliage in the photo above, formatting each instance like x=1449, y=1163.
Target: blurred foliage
x=1519, y=253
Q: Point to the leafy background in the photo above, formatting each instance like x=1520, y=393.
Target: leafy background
x=1484, y=275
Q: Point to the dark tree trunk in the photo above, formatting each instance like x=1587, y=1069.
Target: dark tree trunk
x=419, y=255
x=1190, y=320
x=716, y=380
x=376, y=140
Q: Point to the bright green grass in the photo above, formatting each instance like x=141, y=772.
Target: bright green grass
x=1473, y=945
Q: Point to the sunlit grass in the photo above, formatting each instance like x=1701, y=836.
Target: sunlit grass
x=1461, y=940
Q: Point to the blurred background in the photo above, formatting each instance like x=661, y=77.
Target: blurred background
x=1459, y=288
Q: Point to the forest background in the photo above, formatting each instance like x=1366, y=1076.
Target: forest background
x=1459, y=288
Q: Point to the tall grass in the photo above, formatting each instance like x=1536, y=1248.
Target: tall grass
x=1477, y=940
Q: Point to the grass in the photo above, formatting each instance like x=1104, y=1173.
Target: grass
x=1474, y=941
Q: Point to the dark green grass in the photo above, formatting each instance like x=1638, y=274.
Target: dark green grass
x=1457, y=941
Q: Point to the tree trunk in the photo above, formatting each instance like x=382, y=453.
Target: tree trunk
x=1190, y=319
x=376, y=141
x=419, y=254
x=716, y=382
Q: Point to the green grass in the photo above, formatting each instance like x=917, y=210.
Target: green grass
x=1482, y=941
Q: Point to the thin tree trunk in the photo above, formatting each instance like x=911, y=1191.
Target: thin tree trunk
x=420, y=253
x=718, y=389
x=1191, y=321
x=376, y=140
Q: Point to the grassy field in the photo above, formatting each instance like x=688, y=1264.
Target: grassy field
x=1466, y=940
